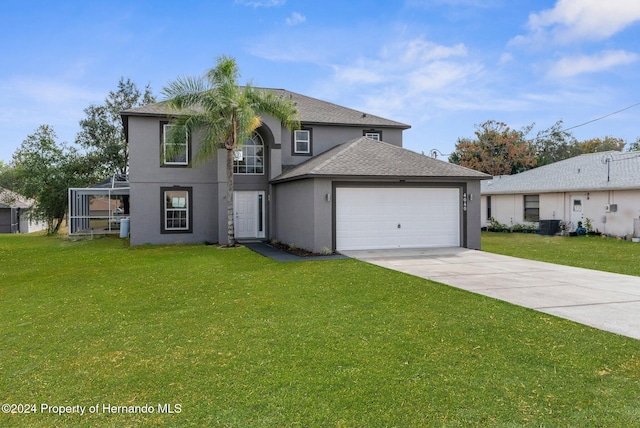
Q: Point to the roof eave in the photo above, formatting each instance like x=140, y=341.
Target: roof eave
x=560, y=190
x=372, y=178
x=402, y=126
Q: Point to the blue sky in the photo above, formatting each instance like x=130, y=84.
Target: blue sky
x=441, y=66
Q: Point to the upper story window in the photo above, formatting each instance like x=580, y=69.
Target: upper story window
x=373, y=134
x=302, y=142
x=175, y=148
x=250, y=158
x=532, y=208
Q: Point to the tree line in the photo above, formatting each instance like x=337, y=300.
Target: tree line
x=497, y=149
x=43, y=169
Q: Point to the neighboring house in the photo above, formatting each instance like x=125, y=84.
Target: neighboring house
x=602, y=187
x=15, y=214
x=332, y=185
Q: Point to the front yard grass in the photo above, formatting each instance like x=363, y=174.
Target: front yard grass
x=235, y=339
x=591, y=252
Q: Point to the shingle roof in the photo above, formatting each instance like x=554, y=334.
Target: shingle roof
x=581, y=173
x=312, y=110
x=9, y=199
x=364, y=157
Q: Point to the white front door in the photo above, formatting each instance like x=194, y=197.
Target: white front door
x=577, y=210
x=248, y=210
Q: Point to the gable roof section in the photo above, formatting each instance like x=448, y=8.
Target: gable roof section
x=9, y=199
x=312, y=111
x=581, y=173
x=367, y=158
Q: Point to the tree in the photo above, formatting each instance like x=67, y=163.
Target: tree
x=497, y=149
x=44, y=170
x=7, y=176
x=595, y=145
x=227, y=115
x=635, y=146
x=554, y=144
x=102, y=130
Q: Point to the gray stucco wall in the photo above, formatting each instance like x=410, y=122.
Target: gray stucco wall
x=473, y=215
x=303, y=214
x=294, y=206
x=147, y=177
x=146, y=215
x=325, y=137
x=208, y=181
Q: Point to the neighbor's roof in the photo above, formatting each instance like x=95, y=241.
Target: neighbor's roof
x=312, y=111
x=364, y=157
x=581, y=173
x=9, y=199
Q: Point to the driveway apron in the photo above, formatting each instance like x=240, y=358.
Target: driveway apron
x=603, y=300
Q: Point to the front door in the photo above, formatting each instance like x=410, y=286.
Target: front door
x=248, y=209
x=576, y=210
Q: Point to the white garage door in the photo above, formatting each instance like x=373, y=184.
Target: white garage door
x=370, y=218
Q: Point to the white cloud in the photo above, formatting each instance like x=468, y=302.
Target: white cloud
x=405, y=76
x=505, y=58
x=420, y=51
x=431, y=3
x=417, y=62
x=31, y=101
x=261, y=3
x=359, y=74
x=48, y=91
x=574, y=65
x=572, y=20
x=296, y=19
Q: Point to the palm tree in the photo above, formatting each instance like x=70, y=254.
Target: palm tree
x=226, y=113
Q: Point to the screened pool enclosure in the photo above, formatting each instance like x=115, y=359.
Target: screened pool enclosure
x=100, y=209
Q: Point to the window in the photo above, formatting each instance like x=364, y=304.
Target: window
x=373, y=134
x=577, y=205
x=532, y=208
x=302, y=142
x=177, y=213
x=489, y=207
x=175, y=150
x=250, y=158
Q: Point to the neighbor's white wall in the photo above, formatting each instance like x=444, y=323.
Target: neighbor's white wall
x=509, y=209
x=619, y=223
x=552, y=206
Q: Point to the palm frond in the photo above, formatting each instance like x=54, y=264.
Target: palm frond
x=225, y=73
x=185, y=92
x=283, y=110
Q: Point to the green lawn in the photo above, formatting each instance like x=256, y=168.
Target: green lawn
x=591, y=252
x=238, y=340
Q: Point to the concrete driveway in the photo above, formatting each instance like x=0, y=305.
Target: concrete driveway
x=607, y=301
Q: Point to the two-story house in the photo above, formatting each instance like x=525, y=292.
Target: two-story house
x=342, y=181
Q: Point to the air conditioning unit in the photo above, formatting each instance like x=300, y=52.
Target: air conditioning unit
x=611, y=208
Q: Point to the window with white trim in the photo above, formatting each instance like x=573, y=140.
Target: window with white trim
x=176, y=210
x=250, y=158
x=302, y=142
x=175, y=148
x=532, y=208
x=374, y=135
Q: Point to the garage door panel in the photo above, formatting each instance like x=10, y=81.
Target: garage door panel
x=368, y=218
